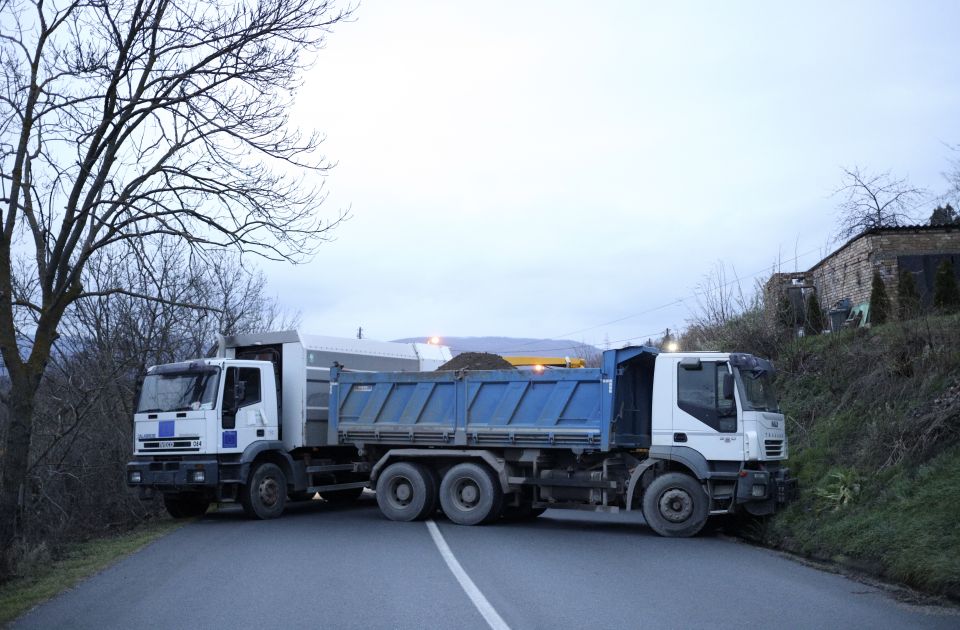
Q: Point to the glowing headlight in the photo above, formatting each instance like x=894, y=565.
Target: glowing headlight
x=197, y=476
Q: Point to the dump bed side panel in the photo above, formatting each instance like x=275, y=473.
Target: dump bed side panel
x=503, y=408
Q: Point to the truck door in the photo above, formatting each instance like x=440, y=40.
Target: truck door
x=273, y=354
x=244, y=418
x=703, y=417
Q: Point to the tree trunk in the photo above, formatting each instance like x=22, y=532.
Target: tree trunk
x=15, y=456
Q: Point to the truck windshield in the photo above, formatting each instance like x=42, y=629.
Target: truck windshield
x=758, y=391
x=179, y=391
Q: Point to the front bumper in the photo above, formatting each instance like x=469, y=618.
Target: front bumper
x=764, y=491
x=168, y=476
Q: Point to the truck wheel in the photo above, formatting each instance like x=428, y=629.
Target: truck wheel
x=185, y=506
x=341, y=497
x=470, y=494
x=406, y=491
x=266, y=493
x=675, y=505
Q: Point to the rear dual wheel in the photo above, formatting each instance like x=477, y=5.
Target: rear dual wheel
x=470, y=494
x=407, y=491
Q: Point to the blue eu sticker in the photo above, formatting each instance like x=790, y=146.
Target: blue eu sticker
x=165, y=429
x=229, y=439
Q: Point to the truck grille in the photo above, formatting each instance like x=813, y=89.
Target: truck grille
x=773, y=448
x=186, y=445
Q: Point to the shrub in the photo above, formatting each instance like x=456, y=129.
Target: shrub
x=879, y=301
x=815, y=321
x=908, y=297
x=946, y=294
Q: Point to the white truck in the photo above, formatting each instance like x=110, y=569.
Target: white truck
x=680, y=436
x=251, y=425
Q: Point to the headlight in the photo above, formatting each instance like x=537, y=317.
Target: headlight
x=135, y=476
x=759, y=490
x=197, y=476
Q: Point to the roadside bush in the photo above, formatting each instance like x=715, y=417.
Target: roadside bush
x=908, y=297
x=815, y=322
x=946, y=294
x=879, y=301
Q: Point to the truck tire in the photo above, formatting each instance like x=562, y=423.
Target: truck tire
x=265, y=495
x=470, y=495
x=185, y=506
x=341, y=497
x=407, y=491
x=674, y=505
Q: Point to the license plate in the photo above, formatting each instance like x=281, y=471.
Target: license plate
x=168, y=444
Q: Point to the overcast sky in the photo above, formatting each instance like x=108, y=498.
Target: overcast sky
x=541, y=169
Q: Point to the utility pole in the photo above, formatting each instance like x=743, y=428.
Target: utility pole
x=360, y=332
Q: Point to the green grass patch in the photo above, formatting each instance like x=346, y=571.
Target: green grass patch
x=875, y=443
x=78, y=561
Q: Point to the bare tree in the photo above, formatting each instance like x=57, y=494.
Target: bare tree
x=719, y=297
x=81, y=438
x=122, y=121
x=874, y=201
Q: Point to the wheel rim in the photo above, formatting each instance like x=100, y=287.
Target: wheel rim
x=676, y=505
x=269, y=491
x=466, y=494
x=400, y=492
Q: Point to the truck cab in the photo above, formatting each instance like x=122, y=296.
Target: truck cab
x=209, y=406
x=717, y=413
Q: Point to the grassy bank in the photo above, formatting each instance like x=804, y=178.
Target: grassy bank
x=77, y=562
x=874, y=419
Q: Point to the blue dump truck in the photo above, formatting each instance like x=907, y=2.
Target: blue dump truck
x=679, y=436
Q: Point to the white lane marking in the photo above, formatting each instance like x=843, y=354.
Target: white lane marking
x=493, y=619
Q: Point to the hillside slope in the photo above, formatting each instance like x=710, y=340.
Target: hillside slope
x=874, y=419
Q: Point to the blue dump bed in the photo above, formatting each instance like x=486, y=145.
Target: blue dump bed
x=589, y=409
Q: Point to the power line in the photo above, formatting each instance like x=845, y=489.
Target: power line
x=657, y=308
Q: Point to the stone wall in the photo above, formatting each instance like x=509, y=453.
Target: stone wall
x=847, y=273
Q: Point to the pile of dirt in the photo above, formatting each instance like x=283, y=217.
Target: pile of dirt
x=476, y=361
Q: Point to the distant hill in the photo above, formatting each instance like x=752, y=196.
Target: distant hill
x=514, y=346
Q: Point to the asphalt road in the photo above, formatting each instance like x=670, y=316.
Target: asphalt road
x=347, y=567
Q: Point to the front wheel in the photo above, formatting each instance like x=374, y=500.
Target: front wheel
x=265, y=495
x=675, y=505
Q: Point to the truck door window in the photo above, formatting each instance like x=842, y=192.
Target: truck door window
x=250, y=393
x=250, y=377
x=700, y=394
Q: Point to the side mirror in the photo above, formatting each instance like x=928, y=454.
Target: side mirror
x=728, y=386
